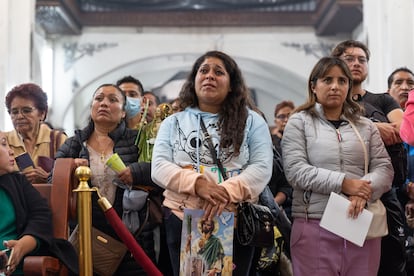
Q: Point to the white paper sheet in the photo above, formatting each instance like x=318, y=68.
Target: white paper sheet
x=335, y=219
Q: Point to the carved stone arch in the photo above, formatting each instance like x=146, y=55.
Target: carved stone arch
x=271, y=83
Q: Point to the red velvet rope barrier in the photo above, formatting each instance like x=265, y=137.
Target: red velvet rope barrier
x=139, y=255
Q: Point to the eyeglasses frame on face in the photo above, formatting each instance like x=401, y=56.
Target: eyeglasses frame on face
x=283, y=116
x=351, y=59
x=26, y=110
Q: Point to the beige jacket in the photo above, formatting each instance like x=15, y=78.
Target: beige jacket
x=42, y=147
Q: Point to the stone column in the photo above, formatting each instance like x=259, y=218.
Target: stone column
x=388, y=30
x=16, y=24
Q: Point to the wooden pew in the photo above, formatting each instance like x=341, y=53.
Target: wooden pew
x=62, y=202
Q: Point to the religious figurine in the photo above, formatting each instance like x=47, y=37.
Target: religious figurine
x=148, y=132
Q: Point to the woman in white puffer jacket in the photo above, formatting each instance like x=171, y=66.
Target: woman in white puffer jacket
x=323, y=154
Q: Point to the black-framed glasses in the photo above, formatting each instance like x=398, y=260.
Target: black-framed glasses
x=283, y=116
x=24, y=111
x=351, y=59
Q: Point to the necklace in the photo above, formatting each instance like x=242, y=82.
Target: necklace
x=105, y=149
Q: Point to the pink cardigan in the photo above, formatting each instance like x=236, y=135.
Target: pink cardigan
x=407, y=125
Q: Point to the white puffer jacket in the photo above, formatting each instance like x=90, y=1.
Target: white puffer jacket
x=317, y=157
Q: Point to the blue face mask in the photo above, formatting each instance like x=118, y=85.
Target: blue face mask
x=132, y=107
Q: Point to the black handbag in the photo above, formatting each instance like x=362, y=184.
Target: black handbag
x=282, y=222
x=255, y=222
x=254, y=225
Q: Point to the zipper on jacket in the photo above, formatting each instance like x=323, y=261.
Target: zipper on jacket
x=306, y=199
x=338, y=134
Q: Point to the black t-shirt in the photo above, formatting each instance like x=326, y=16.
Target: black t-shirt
x=377, y=106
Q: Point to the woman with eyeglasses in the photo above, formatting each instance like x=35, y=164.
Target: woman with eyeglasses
x=282, y=113
x=278, y=184
x=34, y=143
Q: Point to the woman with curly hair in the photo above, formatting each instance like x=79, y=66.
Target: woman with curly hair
x=214, y=93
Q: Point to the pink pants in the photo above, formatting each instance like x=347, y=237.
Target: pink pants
x=315, y=251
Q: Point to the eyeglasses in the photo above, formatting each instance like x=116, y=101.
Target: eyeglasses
x=283, y=116
x=24, y=111
x=351, y=59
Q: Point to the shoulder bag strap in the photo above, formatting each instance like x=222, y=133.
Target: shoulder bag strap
x=364, y=148
x=212, y=151
x=143, y=224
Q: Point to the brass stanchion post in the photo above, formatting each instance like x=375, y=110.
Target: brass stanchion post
x=83, y=173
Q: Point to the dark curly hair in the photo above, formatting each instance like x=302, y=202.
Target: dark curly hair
x=31, y=92
x=234, y=110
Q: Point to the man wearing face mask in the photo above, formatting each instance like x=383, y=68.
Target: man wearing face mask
x=133, y=90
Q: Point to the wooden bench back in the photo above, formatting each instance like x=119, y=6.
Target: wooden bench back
x=62, y=200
